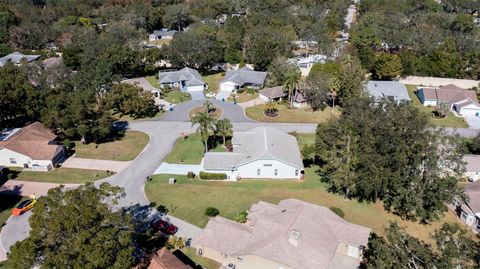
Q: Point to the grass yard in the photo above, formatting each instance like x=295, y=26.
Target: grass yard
x=213, y=81
x=160, y=42
x=304, y=139
x=449, y=121
x=189, y=198
x=60, y=175
x=176, y=97
x=5, y=265
x=125, y=149
x=244, y=97
x=202, y=261
x=153, y=81
x=128, y=118
x=189, y=150
x=299, y=115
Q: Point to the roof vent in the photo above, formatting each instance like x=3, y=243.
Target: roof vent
x=294, y=237
x=284, y=210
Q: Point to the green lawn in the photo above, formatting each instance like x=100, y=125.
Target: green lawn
x=176, y=97
x=60, y=175
x=5, y=265
x=304, y=139
x=244, y=97
x=189, y=197
x=449, y=121
x=213, y=81
x=202, y=261
x=189, y=150
x=125, y=149
x=299, y=115
x=153, y=81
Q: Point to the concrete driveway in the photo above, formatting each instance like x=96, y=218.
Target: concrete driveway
x=197, y=95
x=94, y=164
x=178, y=169
x=230, y=111
x=473, y=122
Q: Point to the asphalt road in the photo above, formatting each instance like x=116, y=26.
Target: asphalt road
x=180, y=112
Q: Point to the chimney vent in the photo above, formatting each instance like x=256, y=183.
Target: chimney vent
x=294, y=237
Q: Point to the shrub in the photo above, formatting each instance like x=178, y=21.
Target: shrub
x=211, y=211
x=241, y=217
x=338, y=211
x=213, y=176
x=240, y=91
x=163, y=209
x=250, y=91
x=190, y=174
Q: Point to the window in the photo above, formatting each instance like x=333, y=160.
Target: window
x=13, y=161
x=463, y=216
x=276, y=172
x=296, y=172
x=267, y=165
x=258, y=172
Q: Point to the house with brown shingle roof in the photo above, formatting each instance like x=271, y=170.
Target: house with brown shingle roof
x=31, y=147
x=164, y=259
x=464, y=102
x=292, y=234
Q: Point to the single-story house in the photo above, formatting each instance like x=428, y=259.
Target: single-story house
x=31, y=147
x=305, y=63
x=243, y=77
x=186, y=79
x=299, y=99
x=261, y=152
x=293, y=234
x=164, y=259
x=472, y=166
x=387, y=89
x=462, y=101
x=162, y=34
x=17, y=58
x=469, y=212
x=272, y=94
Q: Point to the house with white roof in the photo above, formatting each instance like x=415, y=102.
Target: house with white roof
x=462, y=101
x=17, y=58
x=472, y=167
x=161, y=34
x=186, y=79
x=291, y=235
x=261, y=152
x=387, y=89
x=243, y=77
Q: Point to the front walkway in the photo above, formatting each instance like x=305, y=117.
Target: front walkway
x=94, y=164
x=178, y=169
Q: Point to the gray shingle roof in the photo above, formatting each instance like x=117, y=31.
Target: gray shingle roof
x=164, y=32
x=273, y=93
x=266, y=234
x=245, y=75
x=17, y=57
x=189, y=75
x=382, y=89
x=261, y=143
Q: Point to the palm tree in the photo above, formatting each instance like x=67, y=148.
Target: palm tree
x=209, y=107
x=224, y=128
x=334, y=88
x=206, y=126
x=442, y=110
x=291, y=80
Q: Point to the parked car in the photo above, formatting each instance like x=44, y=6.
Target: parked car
x=23, y=207
x=163, y=227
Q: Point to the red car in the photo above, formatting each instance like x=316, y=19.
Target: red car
x=164, y=227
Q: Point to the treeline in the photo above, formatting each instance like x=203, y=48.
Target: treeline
x=408, y=37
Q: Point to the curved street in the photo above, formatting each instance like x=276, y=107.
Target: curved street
x=163, y=134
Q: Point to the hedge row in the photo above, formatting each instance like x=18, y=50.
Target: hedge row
x=213, y=176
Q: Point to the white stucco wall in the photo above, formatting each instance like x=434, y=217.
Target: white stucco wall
x=267, y=170
x=228, y=86
x=6, y=154
x=263, y=97
x=470, y=110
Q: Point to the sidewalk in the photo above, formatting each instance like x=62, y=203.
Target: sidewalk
x=94, y=164
x=26, y=188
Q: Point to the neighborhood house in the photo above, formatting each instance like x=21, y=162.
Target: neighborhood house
x=243, y=77
x=17, y=58
x=272, y=94
x=186, y=79
x=292, y=234
x=31, y=147
x=393, y=90
x=462, y=101
x=262, y=152
x=162, y=34
x=469, y=212
x=472, y=166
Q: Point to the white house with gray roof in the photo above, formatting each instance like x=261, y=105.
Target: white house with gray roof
x=161, y=34
x=186, y=79
x=16, y=58
x=243, y=77
x=291, y=235
x=262, y=152
x=388, y=89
